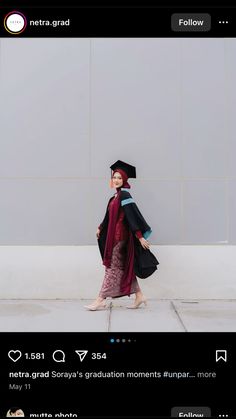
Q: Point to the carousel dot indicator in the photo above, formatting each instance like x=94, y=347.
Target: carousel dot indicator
x=112, y=340
x=118, y=340
x=123, y=340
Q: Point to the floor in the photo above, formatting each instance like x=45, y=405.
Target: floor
x=160, y=315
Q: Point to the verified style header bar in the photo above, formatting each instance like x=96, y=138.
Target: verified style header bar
x=117, y=22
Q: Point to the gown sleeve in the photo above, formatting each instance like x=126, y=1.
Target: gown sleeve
x=136, y=221
x=105, y=220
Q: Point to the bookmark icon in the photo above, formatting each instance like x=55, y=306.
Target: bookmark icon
x=221, y=355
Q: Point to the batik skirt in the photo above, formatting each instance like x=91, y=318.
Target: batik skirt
x=111, y=286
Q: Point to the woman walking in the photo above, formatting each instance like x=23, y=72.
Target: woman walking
x=121, y=231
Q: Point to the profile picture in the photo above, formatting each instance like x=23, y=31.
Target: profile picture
x=15, y=411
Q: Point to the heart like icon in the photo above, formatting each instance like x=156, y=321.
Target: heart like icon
x=14, y=355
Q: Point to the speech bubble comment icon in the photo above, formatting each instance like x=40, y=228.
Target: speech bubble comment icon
x=14, y=355
x=59, y=356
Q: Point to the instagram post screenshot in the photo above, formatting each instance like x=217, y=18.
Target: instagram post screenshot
x=117, y=210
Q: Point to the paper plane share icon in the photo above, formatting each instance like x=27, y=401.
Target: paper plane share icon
x=82, y=354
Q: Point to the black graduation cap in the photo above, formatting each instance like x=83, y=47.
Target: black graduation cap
x=128, y=169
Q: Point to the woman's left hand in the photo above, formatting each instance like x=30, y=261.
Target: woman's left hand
x=144, y=243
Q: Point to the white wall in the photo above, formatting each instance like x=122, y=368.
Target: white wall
x=71, y=107
x=194, y=272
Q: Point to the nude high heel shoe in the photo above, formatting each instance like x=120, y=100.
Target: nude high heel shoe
x=96, y=306
x=143, y=300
